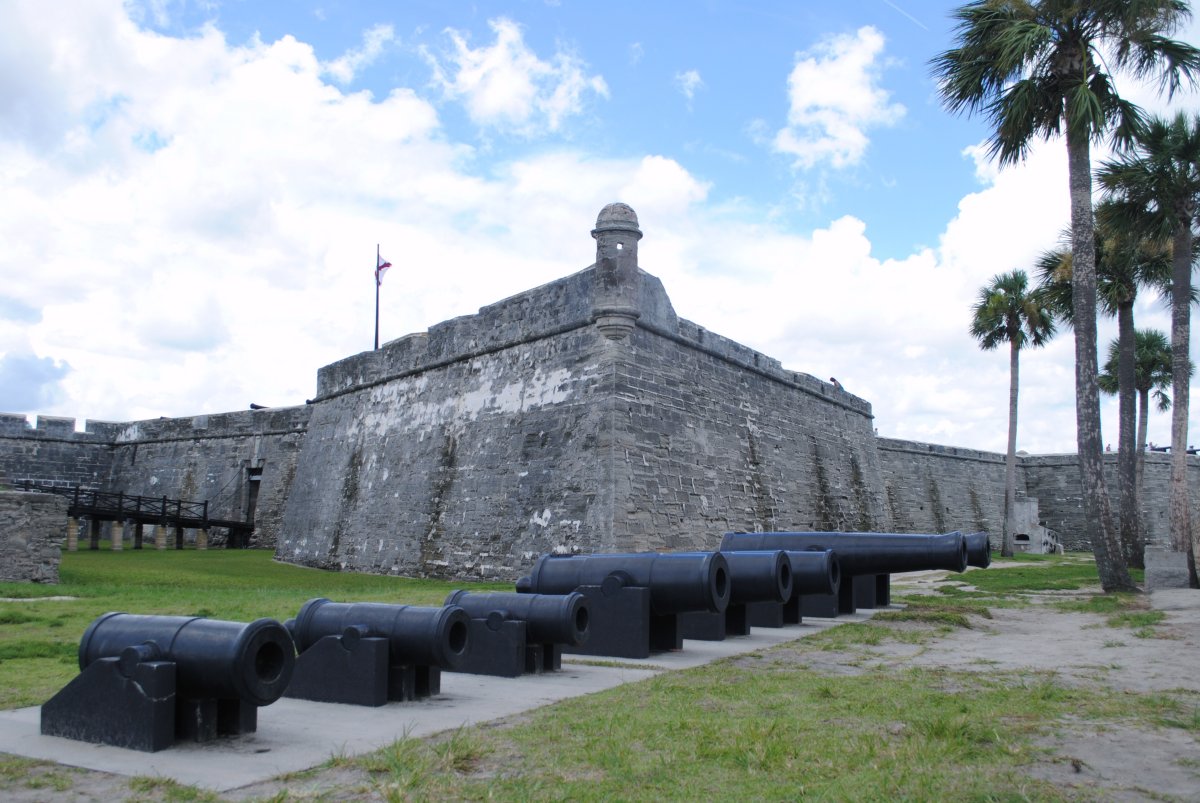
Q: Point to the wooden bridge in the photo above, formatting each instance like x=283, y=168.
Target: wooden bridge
x=97, y=506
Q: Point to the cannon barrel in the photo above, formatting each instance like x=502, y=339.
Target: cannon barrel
x=979, y=550
x=551, y=618
x=759, y=576
x=814, y=571
x=213, y=658
x=865, y=553
x=679, y=582
x=416, y=635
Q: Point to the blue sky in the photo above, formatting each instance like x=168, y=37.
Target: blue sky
x=191, y=194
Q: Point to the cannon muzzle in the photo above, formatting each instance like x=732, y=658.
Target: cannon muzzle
x=550, y=618
x=759, y=576
x=814, y=571
x=213, y=658
x=979, y=550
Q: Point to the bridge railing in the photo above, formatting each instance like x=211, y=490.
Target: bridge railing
x=121, y=506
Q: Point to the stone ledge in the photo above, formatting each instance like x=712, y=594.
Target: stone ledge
x=1165, y=568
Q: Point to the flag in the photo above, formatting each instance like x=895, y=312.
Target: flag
x=380, y=266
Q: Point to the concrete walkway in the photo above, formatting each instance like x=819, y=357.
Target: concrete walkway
x=296, y=735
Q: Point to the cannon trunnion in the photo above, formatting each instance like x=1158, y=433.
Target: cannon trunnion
x=816, y=574
x=754, y=577
x=148, y=681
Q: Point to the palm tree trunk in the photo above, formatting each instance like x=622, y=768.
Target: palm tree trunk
x=1110, y=562
x=1181, y=286
x=1131, y=542
x=1143, y=425
x=1010, y=458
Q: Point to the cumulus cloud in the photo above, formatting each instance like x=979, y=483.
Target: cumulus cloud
x=834, y=98
x=344, y=67
x=203, y=241
x=507, y=86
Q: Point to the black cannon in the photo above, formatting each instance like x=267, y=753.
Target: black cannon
x=148, y=681
x=512, y=634
x=754, y=577
x=815, y=574
x=367, y=653
x=635, y=598
x=867, y=560
x=979, y=550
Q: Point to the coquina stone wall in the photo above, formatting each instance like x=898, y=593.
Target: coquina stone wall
x=220, y=458
x=937, y=489
x=53, y=453
x=1054, y=480
x=579, y=416
x=32, y=527
x=223, y=458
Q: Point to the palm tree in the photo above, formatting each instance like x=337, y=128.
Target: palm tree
x=1125, y=262
x=1152, y=374
x=1158, y=186
x=1007, y=313
x=1039, y=68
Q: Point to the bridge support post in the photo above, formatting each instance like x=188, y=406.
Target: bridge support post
x=118, y=536
x=72, y=534
x=202, y=538
x=94, y=534
x=137, y=535
x=160, y=536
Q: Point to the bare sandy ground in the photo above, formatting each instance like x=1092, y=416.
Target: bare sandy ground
x=1110, y=762
x=1114, y=762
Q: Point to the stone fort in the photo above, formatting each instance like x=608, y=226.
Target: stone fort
x=583, y=415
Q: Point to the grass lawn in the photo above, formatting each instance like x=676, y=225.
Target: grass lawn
x=762, y=726
x=39, y=638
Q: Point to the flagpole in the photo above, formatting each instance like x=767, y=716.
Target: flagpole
x=376, y=272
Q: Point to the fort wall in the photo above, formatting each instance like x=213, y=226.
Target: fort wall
x=936, y=489
x=53, y=453
x=32, y=527
x=583, y=415
x=226, y=459
x=1054, y=480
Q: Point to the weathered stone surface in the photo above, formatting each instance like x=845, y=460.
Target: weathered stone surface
x=936, y=489
x=32, y=527
x=1165, y=568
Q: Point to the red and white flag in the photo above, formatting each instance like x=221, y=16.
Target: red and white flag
x=380, y=266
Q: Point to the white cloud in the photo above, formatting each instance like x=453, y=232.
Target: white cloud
x=375, y=39
x=835, y=97
x=202, y=241
x=689, y=83
x=507, y=86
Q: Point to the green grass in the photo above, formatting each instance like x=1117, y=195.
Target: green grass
x=1044, y=573
x=1120, y=610
x=778, y=732
x=766, y=729
x=39, y=638
x=148, y=787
